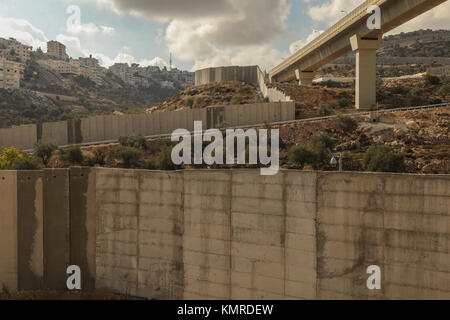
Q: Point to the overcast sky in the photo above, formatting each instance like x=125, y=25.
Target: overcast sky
x=199, y=33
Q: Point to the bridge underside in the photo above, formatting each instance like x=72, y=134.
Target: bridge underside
x=330, y=46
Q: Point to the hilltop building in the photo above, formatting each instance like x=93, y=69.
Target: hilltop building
x=13, y=50
x=10, y=74
x=57, y=50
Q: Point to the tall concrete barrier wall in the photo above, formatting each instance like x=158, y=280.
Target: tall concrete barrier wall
x=19, y=136
x=111, y=127
x=249, y=74
x=227, y=234
x=297, y=235
x=21, y=230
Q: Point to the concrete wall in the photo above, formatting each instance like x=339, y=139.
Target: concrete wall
x=297, y=235
x=110, y=127
x=21, y=217
x=247, y=74
x=227, y=234
x=251, y=74
x=20, y=136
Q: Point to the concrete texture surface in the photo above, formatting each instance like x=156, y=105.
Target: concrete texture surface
x=56, y=228
x=229, y=234
x=8, y=230
x=30, y=266
x=82, y=223
x=109, y=127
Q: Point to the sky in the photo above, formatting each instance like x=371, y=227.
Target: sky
x=198, y=33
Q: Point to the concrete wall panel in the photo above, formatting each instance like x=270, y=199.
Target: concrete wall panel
x=30, y=230
x=56, y=228
x=83, y=224
x=8, y=230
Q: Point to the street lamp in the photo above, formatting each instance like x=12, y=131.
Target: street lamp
x=334, y=161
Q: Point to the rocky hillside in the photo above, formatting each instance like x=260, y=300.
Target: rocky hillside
x=213, y=94
x=422, y=136
x=321, y=100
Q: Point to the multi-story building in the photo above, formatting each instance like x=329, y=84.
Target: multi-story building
x=57, y=50
x=10, y=73
x=61, y=67
x=137, y=76
x=73, y=67
x=90, y=62
x=13, y=50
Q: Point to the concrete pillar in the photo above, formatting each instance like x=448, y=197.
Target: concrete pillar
x=305, y=78
x=366, y=69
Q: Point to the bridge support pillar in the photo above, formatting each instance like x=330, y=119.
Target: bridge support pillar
x=366, y=69
x=305, y=78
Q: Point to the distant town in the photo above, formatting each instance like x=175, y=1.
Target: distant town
x=14, y=56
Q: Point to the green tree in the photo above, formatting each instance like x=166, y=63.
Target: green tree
x=44, y=151
x=345, y=124
x=129, y=156
x=384, y=159
x=302, y=155
x=73, y=154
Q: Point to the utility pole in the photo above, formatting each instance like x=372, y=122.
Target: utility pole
x=170, y=62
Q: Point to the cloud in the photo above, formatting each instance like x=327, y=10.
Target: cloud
x=297, y=45
x=213, y=33
x=165, y=10
x=107, y=30
x=437, y=18
x=106, y=61
x=23, y=31
x=332, y=11
x=88, y=28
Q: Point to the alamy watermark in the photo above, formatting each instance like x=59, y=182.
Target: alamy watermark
x=220, y=151
x=374, y=21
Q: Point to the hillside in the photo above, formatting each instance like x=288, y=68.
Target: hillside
x=321, y=100
x=421, y=136
x=213, y=94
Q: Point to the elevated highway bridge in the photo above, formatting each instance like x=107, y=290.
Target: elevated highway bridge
x=352, y=33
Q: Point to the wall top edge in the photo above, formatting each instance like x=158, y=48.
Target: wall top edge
x=255, y=171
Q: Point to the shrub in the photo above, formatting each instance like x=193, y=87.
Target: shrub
x=432, y=79
x=25, y=163
x=199, y=102
x=164, y=160
x=129, y=156
x=236, y=100
x=322, y=138
x=324, y=110
x=14, y=159
x=345, y=124
x=302, y=155
x=444, y=90
x=134, y=141
x=73, y=154
x=321, y=144
x=384, y=159
x=344, y=103
x=99, y=158
x=397, y=102
x=44, y=151
x=415, y=96
x=189, y=102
